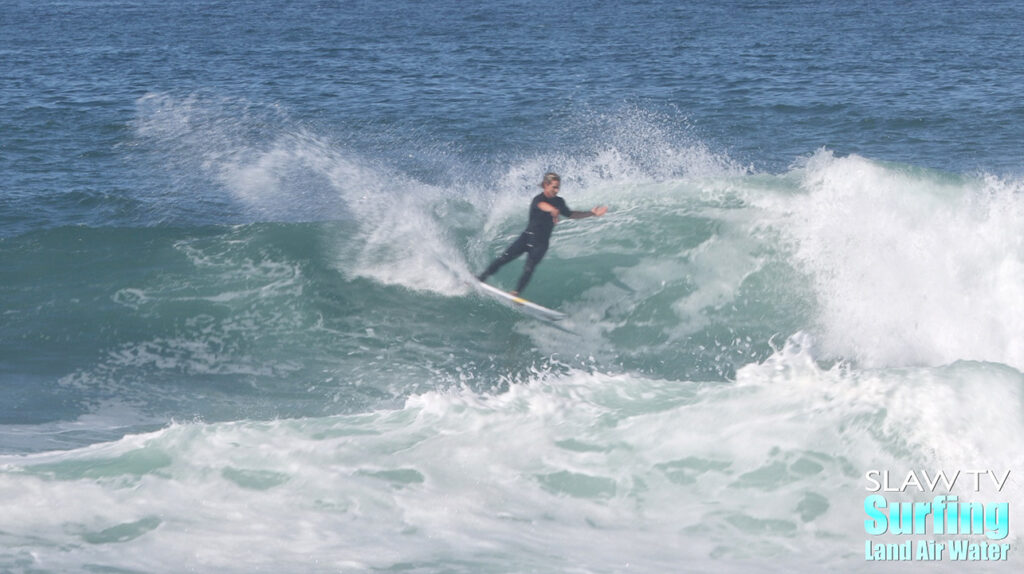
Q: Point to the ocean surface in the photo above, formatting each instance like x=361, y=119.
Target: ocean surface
x=237, y=334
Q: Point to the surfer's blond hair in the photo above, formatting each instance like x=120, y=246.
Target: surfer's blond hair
x=549, y=177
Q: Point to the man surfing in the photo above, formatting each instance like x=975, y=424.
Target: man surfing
x=545, y=209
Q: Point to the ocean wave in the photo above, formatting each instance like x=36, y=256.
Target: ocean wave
x=574, y=470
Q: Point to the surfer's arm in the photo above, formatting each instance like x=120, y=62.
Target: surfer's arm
x=554, y=211
x=549, y=209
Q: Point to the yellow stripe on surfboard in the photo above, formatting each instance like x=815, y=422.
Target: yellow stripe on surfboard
x=526, y=306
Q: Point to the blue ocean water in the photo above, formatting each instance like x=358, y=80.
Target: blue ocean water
x=236, y=334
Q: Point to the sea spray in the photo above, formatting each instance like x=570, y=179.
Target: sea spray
x=908, y=267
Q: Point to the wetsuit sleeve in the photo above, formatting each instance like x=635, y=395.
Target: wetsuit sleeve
x=563, y=208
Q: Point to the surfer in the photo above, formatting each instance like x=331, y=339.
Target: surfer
x=545, y=209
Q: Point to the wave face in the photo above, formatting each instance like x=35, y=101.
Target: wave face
x=349, y=297
x=237, y=332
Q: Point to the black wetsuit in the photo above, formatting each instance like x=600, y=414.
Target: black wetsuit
x=533, y=241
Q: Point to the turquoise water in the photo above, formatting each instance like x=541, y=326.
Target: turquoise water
x=236, y=334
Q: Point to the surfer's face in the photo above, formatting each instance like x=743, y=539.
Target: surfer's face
x=551, y=188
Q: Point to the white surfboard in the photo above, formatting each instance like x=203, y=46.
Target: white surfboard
x=530, y=308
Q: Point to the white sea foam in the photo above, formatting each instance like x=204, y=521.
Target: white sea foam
x=581, y=471
x=909, y=267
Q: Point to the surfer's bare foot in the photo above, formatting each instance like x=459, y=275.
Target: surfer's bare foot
x=514, y=293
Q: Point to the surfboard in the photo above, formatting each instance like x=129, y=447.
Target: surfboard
x=528, y=307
